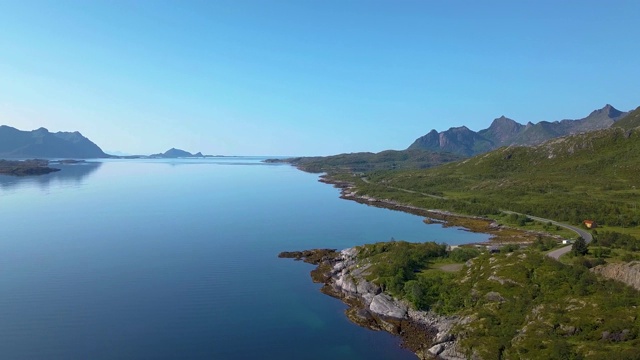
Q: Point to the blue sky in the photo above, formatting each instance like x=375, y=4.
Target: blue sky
x=307, y=77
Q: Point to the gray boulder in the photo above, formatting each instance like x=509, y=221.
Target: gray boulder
x=383, y=304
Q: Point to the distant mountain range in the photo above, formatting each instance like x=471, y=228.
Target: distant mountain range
x=504, y=132
x=41, y=143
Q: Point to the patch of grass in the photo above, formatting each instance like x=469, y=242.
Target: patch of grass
x=634, y=231
x=453, y=267
x=546, y=228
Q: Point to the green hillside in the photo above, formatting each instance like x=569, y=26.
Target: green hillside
x=587, y=176
x=521, y=305
x=630, y=121
x=366, y=161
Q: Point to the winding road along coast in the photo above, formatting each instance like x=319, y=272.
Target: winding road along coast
x=565, y=249
x=553, y=254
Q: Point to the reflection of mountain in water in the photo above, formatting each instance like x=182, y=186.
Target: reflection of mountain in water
x=69, y=175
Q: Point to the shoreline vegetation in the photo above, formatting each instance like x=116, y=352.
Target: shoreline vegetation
x=25, y=167
x=506, y=299
x=500, y=234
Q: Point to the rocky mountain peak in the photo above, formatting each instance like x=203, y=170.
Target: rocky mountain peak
x=504, y=132
x=501, y=121
x=607, y=110
x=40, y=131
x=460, y=129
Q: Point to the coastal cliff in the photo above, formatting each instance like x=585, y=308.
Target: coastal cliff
x=425, y=333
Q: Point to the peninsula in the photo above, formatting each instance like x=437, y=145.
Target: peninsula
x=519, y=296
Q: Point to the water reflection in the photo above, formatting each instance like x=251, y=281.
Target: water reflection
x=217, y=160
x=69, y=175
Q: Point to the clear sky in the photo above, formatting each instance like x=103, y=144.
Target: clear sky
x=305, y=77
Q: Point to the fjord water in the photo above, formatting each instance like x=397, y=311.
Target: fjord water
x=169, y=259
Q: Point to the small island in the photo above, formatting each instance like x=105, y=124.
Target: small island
x=174, y=153
x=25, y=167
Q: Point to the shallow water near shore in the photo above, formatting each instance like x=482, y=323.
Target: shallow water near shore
x=166, y=259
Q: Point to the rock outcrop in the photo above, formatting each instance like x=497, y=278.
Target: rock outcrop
x=628, y=273
x=427, y=334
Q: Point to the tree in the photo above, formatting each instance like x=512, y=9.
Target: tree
x=579, y=247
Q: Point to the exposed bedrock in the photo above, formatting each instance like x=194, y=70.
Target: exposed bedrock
x=427, y=334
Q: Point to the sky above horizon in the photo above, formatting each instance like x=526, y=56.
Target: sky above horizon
x=303, y=77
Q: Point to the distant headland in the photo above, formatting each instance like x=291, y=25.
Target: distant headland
x=42, y=144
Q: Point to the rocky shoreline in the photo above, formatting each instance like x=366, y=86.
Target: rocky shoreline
x=347, y=192
x=427, y=334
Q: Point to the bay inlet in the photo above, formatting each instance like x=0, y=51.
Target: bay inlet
x=166, y=259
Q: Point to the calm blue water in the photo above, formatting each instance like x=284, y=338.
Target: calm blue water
x=160, y=259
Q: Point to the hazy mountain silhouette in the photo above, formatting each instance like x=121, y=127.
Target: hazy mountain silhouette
x=176, y=153
x=41, y=143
